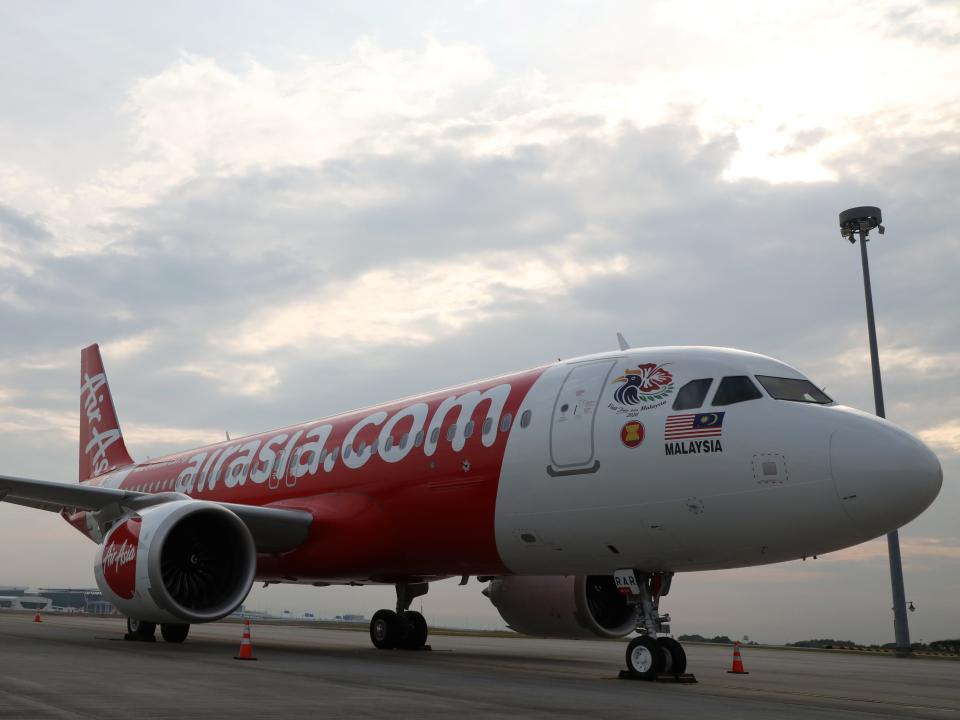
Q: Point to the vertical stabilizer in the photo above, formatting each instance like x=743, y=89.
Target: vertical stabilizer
x=101, y=444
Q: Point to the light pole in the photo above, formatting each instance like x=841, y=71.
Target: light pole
x=853, y=222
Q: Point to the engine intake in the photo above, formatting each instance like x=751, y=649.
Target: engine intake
x=186, y=561
x=563, y=606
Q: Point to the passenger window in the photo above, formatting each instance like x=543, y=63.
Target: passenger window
x=403, y=440
x=468, y=429
x=692, y=394
x=346, y=451
x=505, y=423
x=451, y=431
x=418, y=440
x=361, y=447
x=487, y=425
x=735, y=389
x=388, y=443
x=435, y=436
x=525, y=418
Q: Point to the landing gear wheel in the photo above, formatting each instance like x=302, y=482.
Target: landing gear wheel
x=416, y=635
x=385, y=629
x=675, y=659
x=644, y=658
x=140, y=630
x=174, y=632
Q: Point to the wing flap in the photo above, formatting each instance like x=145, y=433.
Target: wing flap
x=273, y=529
x=62, y=495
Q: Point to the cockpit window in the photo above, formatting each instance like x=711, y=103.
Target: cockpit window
x=793, y=389
x=735, y=389
x=692, y=394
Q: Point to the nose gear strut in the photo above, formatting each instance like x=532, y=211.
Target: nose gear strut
x=650, y=656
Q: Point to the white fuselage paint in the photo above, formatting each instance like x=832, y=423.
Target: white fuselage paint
x=575, y=498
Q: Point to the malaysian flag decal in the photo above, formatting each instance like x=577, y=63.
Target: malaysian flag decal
x=693, y=426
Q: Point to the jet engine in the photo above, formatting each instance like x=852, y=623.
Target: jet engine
x=186, y=561
x=562, y=606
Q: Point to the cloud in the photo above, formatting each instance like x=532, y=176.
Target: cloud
x=929, y=23
x=19, y=226
x=178, y=437
x=911, y=548
x=28, y=420
x=945, y=436
x=898, y=358
x=420, y=302
x=20, y=236
x=125, y=348
x=197, y=118
x=237, y=378
x=200, y=116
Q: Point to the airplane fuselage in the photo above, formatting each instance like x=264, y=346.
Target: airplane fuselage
x=583, y=466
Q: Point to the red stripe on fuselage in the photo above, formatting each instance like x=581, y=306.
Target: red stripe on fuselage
x=427, y=514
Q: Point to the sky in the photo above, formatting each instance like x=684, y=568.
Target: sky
x=271, y=212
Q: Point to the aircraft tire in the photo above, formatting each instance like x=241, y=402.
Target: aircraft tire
x=140, y=629
x=644, y=658
x=674, y=656
x=174, y=632
x=416, y=636
x=385, y=629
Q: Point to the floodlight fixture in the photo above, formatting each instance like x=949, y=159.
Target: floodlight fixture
x=860, y=220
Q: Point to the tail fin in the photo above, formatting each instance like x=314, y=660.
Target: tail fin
x=101, y=444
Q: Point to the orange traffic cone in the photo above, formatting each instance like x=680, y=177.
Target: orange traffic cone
x=246, y=649
x=36, y=618
x=737, y=661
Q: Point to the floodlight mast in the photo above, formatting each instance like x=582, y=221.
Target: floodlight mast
x=853, y=222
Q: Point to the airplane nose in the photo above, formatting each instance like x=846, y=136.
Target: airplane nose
x=884, y=475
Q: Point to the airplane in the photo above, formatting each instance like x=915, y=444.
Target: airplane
x=575, y=490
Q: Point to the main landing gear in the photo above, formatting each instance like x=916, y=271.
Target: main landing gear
x=650, y=655
x=405, y=629
x=144, y=631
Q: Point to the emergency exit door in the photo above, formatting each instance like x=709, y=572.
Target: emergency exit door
x=572, y=448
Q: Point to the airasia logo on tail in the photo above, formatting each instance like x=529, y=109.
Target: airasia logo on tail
x=119, y=560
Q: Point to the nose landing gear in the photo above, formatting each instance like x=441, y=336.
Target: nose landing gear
x=650, y=656
x=404, y=629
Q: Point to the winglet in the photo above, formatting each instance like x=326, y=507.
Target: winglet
x=101, y=444
x=624, y=345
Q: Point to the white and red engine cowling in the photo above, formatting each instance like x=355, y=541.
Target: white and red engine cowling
x=563, y=606
x=186, y=561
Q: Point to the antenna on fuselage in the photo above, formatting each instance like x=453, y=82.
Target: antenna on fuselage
x=624, y=345
x=227, y=433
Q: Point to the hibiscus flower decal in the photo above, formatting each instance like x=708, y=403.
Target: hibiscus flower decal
x=645, y=383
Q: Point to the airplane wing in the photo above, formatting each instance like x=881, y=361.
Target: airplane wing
x=273, y=529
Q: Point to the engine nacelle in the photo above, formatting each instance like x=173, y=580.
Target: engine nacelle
x=563, y=606
x=186, y=561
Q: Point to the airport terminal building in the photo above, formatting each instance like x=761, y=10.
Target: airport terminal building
x=80, y=600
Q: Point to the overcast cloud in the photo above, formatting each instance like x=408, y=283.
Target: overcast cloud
x=269, y=215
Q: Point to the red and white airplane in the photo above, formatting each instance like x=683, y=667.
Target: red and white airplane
x=576, y=490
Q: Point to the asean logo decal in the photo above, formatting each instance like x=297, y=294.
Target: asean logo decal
x=632, y=434
x=647, y=383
